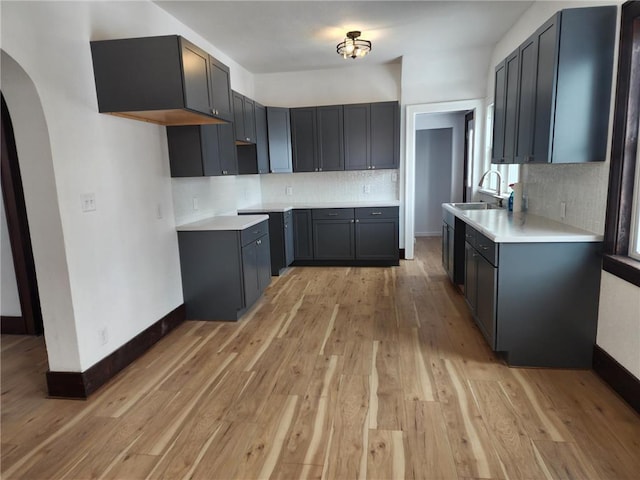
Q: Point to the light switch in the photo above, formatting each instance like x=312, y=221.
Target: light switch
x=195, y=203
x=289, y=190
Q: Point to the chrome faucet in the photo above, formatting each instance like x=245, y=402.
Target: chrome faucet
x=499, y=189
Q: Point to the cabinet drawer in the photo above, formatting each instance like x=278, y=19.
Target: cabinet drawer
x=332, y=213
x=254, y=232
x=487, y=248
x=470, y=235
x=376, y=212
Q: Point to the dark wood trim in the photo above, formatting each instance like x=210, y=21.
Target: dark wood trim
x=626, y=268
x=12, y=325
x=625, y=135
x=18, y=227
x=402, y=254
x=623, y=382
x=83, y=384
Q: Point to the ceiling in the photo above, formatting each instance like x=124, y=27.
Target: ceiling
x=285, y=36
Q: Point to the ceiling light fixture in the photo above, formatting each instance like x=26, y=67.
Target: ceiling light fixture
x=353, y=47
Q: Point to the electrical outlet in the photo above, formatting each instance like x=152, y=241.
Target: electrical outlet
x=103, y=335
x=195, y=203
x=366, y=188
x=289, y=190
x=88, y=202
x=563, y=209
x=394, y=177
x=159, y=211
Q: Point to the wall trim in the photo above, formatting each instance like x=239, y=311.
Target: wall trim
x=623, y=382
x=12, y=325
x=83, y=384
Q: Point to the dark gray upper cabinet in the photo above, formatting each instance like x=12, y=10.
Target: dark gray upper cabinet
x=304, y=139
x=165, y=80
x=316, y=138
x=499, y=101
x=201, y=150
x=372, y=135
x=262, y=139
x=253, y=158
x=244, y=116
x=357, y=136
x=279, y=134
x=505, y=109
x=330, y=144
x=385, y=135
x=563, y=91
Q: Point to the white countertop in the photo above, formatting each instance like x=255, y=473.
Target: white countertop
x=223, y=222
x=506, y=227
x=283, y=207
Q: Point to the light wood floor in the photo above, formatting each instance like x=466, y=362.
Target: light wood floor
x=338, y=373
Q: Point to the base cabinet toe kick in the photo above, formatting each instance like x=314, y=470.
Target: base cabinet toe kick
x=536, y=303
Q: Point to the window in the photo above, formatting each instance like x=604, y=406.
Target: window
x=622, y=231
x=510, y=173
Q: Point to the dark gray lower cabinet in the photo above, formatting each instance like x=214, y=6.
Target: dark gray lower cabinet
x=535, y=303
x=224, y=272
x=302, y=235
x=281, y=240
x=346, y=236
x=453, y=252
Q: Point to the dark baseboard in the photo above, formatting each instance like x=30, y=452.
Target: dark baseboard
x=12, y=325
x=83, y=384
x=402, y=254
x=619, y=378
x=345, y=263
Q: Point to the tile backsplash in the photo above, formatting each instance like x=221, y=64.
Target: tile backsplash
x=377, y=185
x=583, y=187
x=215, y=196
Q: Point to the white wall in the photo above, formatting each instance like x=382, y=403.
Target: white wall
x=9, y=299
x=433, y=178
x=619, y=321
x=121, y=261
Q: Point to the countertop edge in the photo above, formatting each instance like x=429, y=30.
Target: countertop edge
x=223, y=222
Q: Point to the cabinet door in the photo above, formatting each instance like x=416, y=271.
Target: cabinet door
x=220, y=90
x=547, y=38
x=263, y=259
x=385, y=135
x=333, y=239
x=486, y=299
x=330, y=142
x=238, y=116
x=302, y=235
x=526, y=100
x=211, y=152
x=195, y=63
x=444, y=246
x=279, y=133
x=250, y=273
x=511, y=107
x=249, y=108
x=262, y=141
x=471, y=277
x=376, y=239
x=357, y=128
x=303, y=139
x=499, y=102
x=227, y=149
x=450, y=251
x=288, y=238
x=185, y=151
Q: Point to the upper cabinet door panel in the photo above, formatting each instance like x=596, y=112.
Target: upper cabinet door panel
x=499, y=102
x=262, y=141
x=279, y=132
x=220, y=90
x=238, y=115
x=357, y=132
x=303, y=139
x=526, y=100
x=249, y=120
x=330, y=141
x=511, y=107
x=385, y=135
x=195, y=65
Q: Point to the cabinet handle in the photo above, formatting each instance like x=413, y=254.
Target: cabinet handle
x=316, y=169
x=484, y=247
x=369, y=167
x=357, y=221
x=466, y=235
x=376, y=213
x=332, y=214
x=320, y=169
x=373, y=167
x=351, y=221
x=255, y=232
x=259, y=242
x=529, y=158
x=224, y=172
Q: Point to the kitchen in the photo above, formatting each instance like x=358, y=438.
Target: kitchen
x=84, y=262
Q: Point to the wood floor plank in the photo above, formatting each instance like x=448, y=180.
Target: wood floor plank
x=335, y=373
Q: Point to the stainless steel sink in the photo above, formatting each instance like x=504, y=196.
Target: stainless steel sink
x=474, y=206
